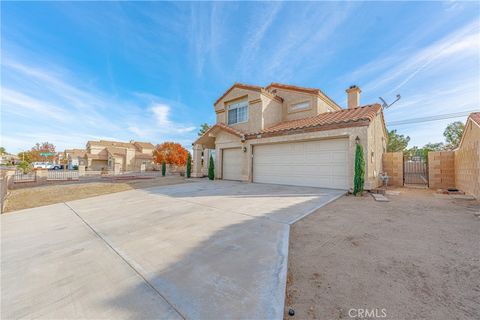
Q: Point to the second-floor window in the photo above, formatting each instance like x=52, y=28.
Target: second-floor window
x=238, y=112
x=300, y=106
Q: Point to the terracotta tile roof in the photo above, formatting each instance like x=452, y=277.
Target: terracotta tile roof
x=241, y=86
x=116, y=151
x=229, y=129
x=106, y=143
x=78, y=153
x=146, y=145
x=475, y=117
x=292, y=87
x=345, y=116
x=96, y=156
x=140, y=155
x=302, y=89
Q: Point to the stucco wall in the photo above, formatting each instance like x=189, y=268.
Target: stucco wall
x=377, y=145
x=467, y=161
x=253, y=97
x=441, y=169
x=98, y=165
x=272, y=112
x=393, y=166
x=293, y=97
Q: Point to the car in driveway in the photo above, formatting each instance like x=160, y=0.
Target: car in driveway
x=40, y=165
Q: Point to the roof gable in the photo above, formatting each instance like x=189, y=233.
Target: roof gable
x=241, y=86
x=475, y=117
x=314, y=91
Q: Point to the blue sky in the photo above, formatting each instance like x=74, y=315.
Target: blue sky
x=150, y=71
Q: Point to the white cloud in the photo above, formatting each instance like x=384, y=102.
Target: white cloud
x=453, y=47
x=38, y=103
x=18, y=103
x=162, y=117
x=161, y=112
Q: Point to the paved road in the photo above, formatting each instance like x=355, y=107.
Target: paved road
x=202, y=250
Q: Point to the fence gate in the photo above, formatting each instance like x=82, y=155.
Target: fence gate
x=415, y=170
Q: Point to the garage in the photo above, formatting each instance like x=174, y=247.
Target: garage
x=320, y=163
x=232, y=164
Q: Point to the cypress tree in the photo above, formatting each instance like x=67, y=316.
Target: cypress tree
x=211, y=169
x=359, y=178
x=164, y=168
x=189, y=165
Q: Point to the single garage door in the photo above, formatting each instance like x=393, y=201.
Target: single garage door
x=321, y=163
x=231, y=164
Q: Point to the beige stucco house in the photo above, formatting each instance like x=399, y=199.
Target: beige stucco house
x=467, y=157
x=73, y=157
x=118, y=156
x=291, y=135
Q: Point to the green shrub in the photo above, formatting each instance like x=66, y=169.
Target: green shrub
x=164, y=168
x=24, y=166
x=359, y=178
x=211, y=169
x=189, y=165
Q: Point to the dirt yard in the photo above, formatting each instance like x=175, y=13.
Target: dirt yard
x=48, y=194
x=416, y=257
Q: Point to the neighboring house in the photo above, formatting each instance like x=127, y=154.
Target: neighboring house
x=467, y=157
x=118, y=156
x=9, y=159
x=291, y=135
x=75, y=157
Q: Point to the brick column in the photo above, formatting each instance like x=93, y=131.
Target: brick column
x=441, y=169
x=393, y=167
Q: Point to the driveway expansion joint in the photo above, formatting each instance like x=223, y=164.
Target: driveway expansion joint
x=125, y=260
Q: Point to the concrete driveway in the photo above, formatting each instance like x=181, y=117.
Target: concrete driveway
x=202, y=250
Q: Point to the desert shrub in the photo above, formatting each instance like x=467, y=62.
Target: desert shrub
x=189, y=165
x=359, y=178
x=24, y=166
x=211, y=169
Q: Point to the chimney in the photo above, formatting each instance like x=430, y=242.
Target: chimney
x=353, y=97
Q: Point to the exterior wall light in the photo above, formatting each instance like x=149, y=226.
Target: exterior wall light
x=244, y=149
x=357, y=140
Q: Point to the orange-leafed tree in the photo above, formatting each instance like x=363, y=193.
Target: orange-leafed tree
x=43, y=147
x=171, y=153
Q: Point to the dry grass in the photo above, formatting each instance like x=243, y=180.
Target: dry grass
x=48, y=194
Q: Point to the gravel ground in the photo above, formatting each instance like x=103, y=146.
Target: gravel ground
x=48, y=194
x=415, y=257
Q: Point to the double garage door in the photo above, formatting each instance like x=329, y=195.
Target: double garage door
x=321, y=163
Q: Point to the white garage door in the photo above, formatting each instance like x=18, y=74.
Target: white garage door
x=321, y=163
x=232, y=166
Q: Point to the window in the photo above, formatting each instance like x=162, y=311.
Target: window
x=238, y=112
x=300, y=106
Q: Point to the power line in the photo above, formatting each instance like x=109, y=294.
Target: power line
x=431, y=118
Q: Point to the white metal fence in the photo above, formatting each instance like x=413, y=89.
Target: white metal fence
x=62, y=175
x=19, y=176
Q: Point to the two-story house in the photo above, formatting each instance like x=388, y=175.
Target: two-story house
x=284, y=134
x=118, y=156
